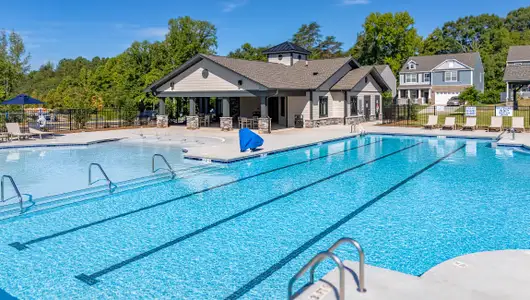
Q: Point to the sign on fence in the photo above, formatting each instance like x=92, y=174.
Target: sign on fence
x=471, y=111
x=504, y=111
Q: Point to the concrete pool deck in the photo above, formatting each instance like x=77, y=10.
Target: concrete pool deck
x=485, y=275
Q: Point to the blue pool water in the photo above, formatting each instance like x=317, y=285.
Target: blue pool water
x=243, y=230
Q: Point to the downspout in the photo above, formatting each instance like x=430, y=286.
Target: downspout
x=345, y=106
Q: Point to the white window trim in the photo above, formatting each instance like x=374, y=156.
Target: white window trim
x=412, y=76
x=451, y=76
x=424, y=76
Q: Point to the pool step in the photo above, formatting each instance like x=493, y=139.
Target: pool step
x=98, y=192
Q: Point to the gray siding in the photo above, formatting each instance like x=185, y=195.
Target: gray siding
x=390, y=79
x=478, y=75
x=464, y=78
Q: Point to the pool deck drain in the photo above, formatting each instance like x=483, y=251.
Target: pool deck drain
x=478, y=276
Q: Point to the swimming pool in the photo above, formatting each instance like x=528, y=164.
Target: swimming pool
x=243, y=230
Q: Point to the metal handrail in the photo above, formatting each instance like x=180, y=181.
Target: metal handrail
x=169, y=168
x=20, y=199
x=356, y=244
x=90, y=182
x=312, y=264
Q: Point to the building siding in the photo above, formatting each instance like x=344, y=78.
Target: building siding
x=464, y=78
x=298, y=105
x=286, y=59
x=390, y=80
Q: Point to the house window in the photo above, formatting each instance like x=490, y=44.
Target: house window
x=354, y=109
x=412, y=66
x=413, y=94
x=280, y=57
x=404, y=94
x=451, y=76
x=411, y=78
x=427, y=77
x=323, y=107
x=282, y=106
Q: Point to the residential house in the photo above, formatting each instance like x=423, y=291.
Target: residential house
x=289, y=88
x=437, y=78
x=517, y=73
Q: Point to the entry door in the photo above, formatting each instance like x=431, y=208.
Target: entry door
x=273, y=108
x=367, y=107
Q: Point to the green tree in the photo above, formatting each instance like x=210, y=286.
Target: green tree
x=518, y=20
x=309, y=37
x=470, y=95
x=387, y=39
x=14, y=62
x=248, y=52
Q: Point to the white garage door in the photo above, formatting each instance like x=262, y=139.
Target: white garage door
x=442, y=98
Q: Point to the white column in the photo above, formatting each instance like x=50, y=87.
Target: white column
x=507, y=91
x=193, y=105
x=161, y=106
x=263, y=107
x=226, y=107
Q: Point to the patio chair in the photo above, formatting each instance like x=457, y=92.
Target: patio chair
x=4, y=136
x=14, y=130
x=449, y=123
x=496, y=124
x=471, y=123
x=243, y=122
x=41, y=133
x=518, y=124
x=432, y=123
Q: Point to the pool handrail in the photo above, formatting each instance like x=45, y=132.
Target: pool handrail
x=315, y=261
x=15, y=187
x=362, y=288
x=90, y=182
x=169, y=168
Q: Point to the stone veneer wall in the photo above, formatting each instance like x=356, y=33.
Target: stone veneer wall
x=354, y=120
x=226, y=123
x=264, y=125
x=192, y=122
x=162, y=121
x=323, y=122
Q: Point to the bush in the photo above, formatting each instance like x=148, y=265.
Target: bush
x=490, y=97
x=471, y=96
x=129, y=112
x=81, y=117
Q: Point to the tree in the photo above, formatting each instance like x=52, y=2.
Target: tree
x=518, y=20
x=309, y=37
x=14, y=62
x=470, y=95
x=387, y=39
x=248, y=52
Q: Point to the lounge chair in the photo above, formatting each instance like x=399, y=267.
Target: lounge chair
x=471, y=123
x=40, y=133
x=518, y=124
x=449, y=123
x=432, y=123
x=4, y=136
x=496, y=124
x=14, y=130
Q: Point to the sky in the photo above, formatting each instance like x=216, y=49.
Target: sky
x=53, y=30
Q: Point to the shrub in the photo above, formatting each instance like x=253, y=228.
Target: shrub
x=129, y=112
x=470, y=95
x=490, y=97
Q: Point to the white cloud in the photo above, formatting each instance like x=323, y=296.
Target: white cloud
x=355, y=2
x=232, y=5
x=152, y=32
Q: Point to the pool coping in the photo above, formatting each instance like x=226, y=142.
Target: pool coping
x=100, y=141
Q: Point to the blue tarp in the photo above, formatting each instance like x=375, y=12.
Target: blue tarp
x=249, y=140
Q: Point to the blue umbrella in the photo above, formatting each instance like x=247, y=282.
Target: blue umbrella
x=22, y=99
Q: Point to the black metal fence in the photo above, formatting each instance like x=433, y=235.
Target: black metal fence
x=417, y=115
x=63, y=120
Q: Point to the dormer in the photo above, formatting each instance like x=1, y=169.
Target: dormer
x=286, y=53
x=411, y=65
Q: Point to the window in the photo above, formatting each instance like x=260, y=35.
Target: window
x=299, y=56
x=451, y=76
x=282, y=106
x=404, y=94
x=366, y=79
x=412, y=66
x=323, y=107
x=280, y=57
x=411, y=78
x=354, y=108
x=413, y=94
x=427, y=77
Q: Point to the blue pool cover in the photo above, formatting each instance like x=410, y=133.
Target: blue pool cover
x=249, y=140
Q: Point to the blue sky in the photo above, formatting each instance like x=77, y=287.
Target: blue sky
x=66, y=29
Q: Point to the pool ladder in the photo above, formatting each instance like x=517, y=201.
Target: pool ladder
x=315, y=261
x=111, y=184
x=169, y=168
x=15, y=187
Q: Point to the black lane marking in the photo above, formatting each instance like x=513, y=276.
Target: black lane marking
x=22, y=246
x=277, y=266
x=91, y=279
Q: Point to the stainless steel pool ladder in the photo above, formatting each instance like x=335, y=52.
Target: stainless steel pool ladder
x=19, y=196
x=315, y=261
x=169, y=168
x=90, y=182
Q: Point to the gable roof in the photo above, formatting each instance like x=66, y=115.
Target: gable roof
x=286, y=47
x=381, y=68
x=427, y=63
x=271, y=75
x=353, y=77
x=517, y=73
x=519, y=53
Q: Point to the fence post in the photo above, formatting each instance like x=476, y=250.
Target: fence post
x=70, y=118
x=97, y=119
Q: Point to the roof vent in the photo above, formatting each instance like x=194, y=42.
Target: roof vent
x=315, y=73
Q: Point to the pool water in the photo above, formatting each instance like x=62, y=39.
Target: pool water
x=245, y=229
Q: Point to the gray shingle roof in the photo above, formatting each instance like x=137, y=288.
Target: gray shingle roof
x=517, y=73
x=352, y=78
x=519, y=53
x=286, y=47
x=278, y=76
x=427, y=63
x=381, y=68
